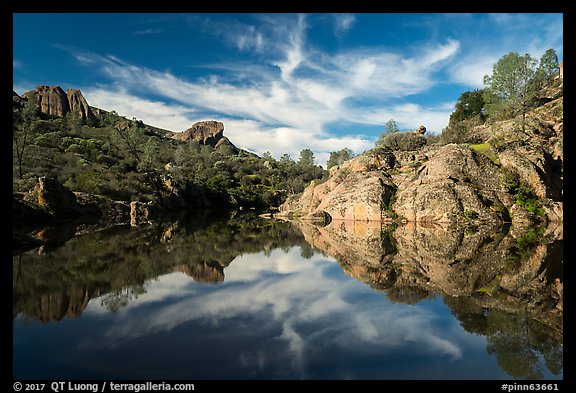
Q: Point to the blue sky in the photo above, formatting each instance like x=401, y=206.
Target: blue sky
x=279, y=82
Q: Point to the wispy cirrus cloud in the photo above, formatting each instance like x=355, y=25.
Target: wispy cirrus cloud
x=148, y=31
x=294, y=92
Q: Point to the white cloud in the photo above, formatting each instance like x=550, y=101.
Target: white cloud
x=470, y=71
x=284, y=103
x=343, y=23
x=148, y=31
x=158, y=114
x=411, y=116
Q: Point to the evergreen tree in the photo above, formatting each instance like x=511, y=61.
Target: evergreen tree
x=548, y=68
x=469, y=104
x=338, y=157
x=306, y=157
x=511, y=89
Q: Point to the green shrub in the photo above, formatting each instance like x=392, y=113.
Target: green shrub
x=402, y=141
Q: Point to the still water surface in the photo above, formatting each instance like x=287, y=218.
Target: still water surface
x=246, y=298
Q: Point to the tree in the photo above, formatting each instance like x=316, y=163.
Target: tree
x=267, y=156
x=469, y=104
x=306, y=157
x=338, y=157
x=286, y=159
x=548, y=68
x=512, y=87
x=24, y=123
x=391, y=128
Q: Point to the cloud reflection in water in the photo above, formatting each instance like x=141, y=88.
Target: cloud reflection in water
x=306, y=308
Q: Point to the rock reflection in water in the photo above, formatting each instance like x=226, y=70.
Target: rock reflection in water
x=506, y=288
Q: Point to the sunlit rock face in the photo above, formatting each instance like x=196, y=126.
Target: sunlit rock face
x=356, y=190
x=452, y=183
x=209, y=132
x=53, y=101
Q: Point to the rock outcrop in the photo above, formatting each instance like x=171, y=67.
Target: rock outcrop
x=457, y=184
x=209, y=133
x=78, y=105
x=53, y=101
x=454, y=180
x=59, y=201
x=357, y=190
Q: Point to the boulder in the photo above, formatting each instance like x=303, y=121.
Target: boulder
x=455, y=183
x=357, y=190
x=59, y=201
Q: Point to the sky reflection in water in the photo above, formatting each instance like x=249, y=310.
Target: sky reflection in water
x=278, y=316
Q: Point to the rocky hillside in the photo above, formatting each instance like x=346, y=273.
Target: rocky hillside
x=510, y=176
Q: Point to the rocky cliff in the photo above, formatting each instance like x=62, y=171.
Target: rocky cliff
x=210, y=133
x=512, y=176
x=79, y=106
x=53, y=101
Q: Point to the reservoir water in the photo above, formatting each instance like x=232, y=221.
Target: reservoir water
x=247, y=298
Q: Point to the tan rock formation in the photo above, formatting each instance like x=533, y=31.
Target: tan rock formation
x=453, y=181
x=53, y=101
x=357, y=190
x=59, y=201
x=204, y=132
x=78, y=105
